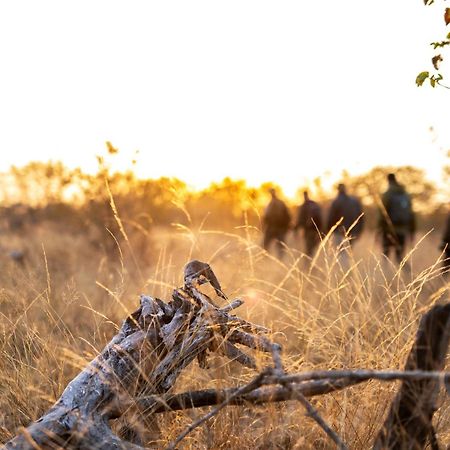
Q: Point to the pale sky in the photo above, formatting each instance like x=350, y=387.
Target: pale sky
x=279, y=90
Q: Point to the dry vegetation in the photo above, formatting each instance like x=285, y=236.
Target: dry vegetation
x=64, y=305
x=76, y=285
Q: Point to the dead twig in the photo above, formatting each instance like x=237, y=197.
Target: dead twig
x=251, y=386
x=314, y=414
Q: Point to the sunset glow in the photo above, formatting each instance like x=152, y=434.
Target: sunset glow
x=203, y=90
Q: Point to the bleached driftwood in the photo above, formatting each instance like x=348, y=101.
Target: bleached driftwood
x=152, y=347
x=141, y=363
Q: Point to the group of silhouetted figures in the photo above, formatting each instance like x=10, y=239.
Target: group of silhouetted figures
x=345, y=220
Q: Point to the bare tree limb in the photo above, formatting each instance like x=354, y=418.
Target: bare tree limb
x=212, y=397
x=365, y=374
x=308, y=386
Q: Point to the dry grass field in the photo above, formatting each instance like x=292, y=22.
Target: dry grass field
x=59, y=309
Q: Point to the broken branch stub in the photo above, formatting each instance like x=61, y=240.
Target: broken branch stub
x=409, y=421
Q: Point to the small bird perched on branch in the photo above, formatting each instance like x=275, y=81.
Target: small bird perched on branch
x=200, y=272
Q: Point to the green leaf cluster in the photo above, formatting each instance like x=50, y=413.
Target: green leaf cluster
x=435, y=78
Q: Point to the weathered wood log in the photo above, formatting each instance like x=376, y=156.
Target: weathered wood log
x=409, y=422
x=81, y=414
x=152, y=347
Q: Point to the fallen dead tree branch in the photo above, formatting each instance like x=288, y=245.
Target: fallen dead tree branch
x=152, y=347
x=259, y=396
x=309, y=384
x=155, y=343
x=290, y=387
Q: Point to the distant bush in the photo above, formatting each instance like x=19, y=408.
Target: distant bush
x=50, y=191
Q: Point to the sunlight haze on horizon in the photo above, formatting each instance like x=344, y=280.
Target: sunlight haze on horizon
x=255, y=90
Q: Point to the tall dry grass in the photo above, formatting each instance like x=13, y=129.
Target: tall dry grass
x=60, y=308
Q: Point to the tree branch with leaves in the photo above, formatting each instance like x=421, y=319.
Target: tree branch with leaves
x=435, y=77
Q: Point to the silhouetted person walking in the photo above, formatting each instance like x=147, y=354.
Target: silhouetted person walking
x=397, y=220
x=276, y=221
x=349, y=209
x=309, y=218
x=445, y=246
